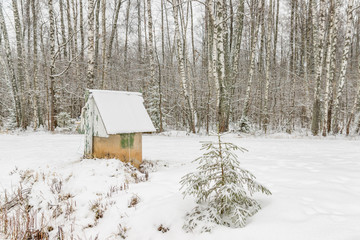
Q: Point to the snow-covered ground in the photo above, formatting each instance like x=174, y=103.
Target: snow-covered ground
x=315, y=186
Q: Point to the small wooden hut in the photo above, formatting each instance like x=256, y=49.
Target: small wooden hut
x=113, y=123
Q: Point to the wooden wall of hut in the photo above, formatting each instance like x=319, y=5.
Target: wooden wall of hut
x=126, y=147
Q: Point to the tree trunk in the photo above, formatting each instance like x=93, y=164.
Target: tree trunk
x=239, y=31
x=330, y=64
x=292, y=67
x=319, y=42
x=112, y=37
x=152, y=87
x=62, y=26
x=81, y=28
x=267, y=70
x=75, y=29
x=254, y=38
x=97, y=35
x=35, y=98
x=161, y=128
x=139, y=46
x=103, y=42
x=52, y=65
x=235, y=51
x=220, y=67
x=11, y=70
x=276, y=30
x=209, y=47
x=183, y=75
x=91, y=51
x=22, y=78
x=70, y=29
x=126, y=45
x=344, y=63
x=355, y=109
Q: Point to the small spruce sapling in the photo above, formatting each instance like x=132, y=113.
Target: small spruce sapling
x=221, y=187
x=244, y=125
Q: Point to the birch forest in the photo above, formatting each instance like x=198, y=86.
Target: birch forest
x=201, y=65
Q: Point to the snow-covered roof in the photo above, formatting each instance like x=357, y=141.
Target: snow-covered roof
x=122, y=112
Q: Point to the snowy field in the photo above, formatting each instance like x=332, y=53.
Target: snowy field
x=315, y=186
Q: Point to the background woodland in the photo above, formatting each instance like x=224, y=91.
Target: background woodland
x=201, y=65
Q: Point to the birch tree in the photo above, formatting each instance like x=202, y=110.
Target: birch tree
x=267, y=70
x=111, y=40
x=35, y=96
x=139, y=38
x=343, y=68
x=52, y=65
x=126, y=44
x=181, y=67
x=11, y=70
x=70, y=29
x=62, y=25
x=244, y=121
x=241, y=61
x=330, y=65
x=97, y=34
x=276, y=29
x=91, y=51
x=21, y=76
x=356, y=107
x=103, y=41
x=292, y=65
x=152, y=88
x=220, y=67
x=318, y=43
x=238, y=39
x=81, y=28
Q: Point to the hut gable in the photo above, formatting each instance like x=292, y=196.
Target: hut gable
x=99, y=126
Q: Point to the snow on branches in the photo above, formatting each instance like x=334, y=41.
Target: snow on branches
x=222, y=188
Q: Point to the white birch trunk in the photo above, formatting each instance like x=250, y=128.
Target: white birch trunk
x=52, y=64
x=220, y=66
x=126, y=45
x=103, y=42
x=267, y=70
x=344, y=63
x=111, y=41
x=356, y=107
x=330, y=64
x=245, y=112
x=214, y=54
x=70, y=29
x=151, y=91
x=82, y=39
x=183, y=75
x=11, y=69
x=150, y=43
x=75, y=29
x=91, y=51
x=35, y=96
x=239, y=30
x=87, y=119
x=318, y=42
x=62, y=25
x=22, y=77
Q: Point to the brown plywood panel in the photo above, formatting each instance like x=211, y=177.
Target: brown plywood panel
x=125, y=147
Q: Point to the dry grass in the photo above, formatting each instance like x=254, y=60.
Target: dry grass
x=20, y=220
x=134, y=200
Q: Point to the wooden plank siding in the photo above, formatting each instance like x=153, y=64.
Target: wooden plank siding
x=126, y=147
